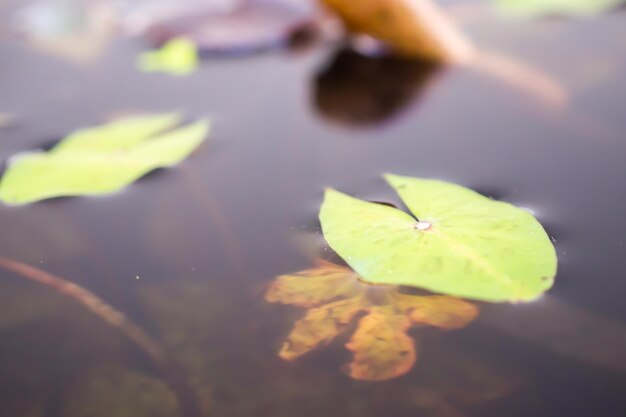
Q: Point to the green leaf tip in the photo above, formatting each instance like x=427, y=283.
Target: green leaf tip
x=102, y=159
x=463, y=244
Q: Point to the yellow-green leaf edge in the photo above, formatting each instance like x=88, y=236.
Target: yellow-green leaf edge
x=535, y=8
x=179, y=56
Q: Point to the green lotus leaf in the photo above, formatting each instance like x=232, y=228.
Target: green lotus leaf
x=555, y=7
x=464, y=244
x=100, y=160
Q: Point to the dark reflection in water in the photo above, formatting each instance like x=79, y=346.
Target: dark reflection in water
x=357, y=89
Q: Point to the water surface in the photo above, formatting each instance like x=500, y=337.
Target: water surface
x=187, y=253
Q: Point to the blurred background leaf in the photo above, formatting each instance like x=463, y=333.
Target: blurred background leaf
x=100, y=160
x=533, y=8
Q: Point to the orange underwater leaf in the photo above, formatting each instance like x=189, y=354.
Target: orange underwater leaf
x=334, y=295
x=437, y=310
x=312, y=286
x=319, y=326
x=382, y=349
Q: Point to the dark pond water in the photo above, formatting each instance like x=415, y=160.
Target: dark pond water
x=188, y=253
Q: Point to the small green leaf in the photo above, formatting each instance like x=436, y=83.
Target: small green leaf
x=100, y=160
x=555, y=7
x=464, y=244
x=179, y=56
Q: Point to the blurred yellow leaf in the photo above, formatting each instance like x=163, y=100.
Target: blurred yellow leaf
x=334, y=295
x=178, y=56
x=421, y=29
x=101, y=159
x=411, y=27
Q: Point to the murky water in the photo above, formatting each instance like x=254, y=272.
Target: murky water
x=188, y=253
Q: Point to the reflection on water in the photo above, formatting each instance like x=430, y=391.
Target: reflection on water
x=357, y=89
x=333, y=295
x=221, y=27
x=73, y=29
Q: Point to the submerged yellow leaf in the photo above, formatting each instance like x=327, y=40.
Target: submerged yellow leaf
x=319, y=326
x=438, y=310
x=334, y=295
x=382, y=349
x=330, y=281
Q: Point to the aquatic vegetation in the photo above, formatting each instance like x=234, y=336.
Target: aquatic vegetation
x=166, y=310
x=459, y=243
x=333, y=296
x=102, y=159
x=179, y=56
x=555, y=7
x=112, y=391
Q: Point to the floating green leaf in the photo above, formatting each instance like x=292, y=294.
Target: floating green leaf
x=464, y=244
x=556, y=7
x=101, y=159
x=179, y=56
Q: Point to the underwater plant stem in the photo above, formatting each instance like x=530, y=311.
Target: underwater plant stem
x=185, y=396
